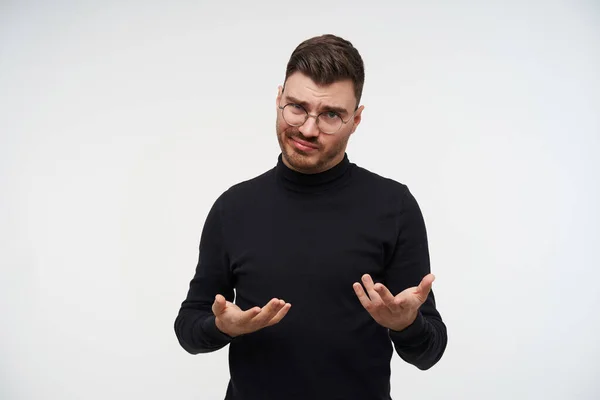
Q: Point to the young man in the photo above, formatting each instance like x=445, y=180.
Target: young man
x=297, y=242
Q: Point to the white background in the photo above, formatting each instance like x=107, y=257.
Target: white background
x=121, y=123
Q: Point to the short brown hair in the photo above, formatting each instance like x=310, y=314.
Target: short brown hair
x=327, y=59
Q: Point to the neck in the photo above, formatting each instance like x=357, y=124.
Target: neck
x=321, y=168
x=315, y=182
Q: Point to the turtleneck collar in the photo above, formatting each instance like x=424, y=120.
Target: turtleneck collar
x=313, y=183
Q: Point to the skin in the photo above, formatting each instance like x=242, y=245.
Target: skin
x=393, y=312
x=330, y=148
x=231, y=320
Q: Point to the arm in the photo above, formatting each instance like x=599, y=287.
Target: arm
x=423, y=342
x=195, y=324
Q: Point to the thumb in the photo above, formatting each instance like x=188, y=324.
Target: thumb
x=218, y=306
x=425, y=286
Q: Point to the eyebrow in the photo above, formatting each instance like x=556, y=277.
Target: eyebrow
x=339, y=110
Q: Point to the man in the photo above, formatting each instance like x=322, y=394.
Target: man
x=297, y=242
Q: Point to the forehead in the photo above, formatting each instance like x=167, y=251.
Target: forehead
x=339, y=93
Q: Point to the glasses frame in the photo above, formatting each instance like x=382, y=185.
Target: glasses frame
x=316, y=117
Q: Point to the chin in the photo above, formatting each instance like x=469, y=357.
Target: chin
x=298, y=160
x=302, y=162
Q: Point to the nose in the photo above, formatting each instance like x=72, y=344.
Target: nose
x=309, y=128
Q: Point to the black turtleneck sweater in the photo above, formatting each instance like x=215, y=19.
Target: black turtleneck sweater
x=306, y=239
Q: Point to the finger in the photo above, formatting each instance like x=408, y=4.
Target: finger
x=370, y=286
x=273, y=306
x=248, y=315
x=279, y=316
x=268, y=312
x=425, y=287
x=386, y=296
x=219, y=305
x=362, y=296
x=408, y=299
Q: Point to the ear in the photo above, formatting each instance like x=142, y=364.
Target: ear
x=279, y=94
x=357, y=118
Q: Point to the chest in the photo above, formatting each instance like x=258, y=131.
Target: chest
x=305, y=248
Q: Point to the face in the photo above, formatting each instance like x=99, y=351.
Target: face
x=305, y=148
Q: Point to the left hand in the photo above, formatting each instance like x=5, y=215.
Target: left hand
x=395, y=313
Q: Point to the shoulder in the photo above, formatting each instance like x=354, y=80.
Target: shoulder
x=376, y=183
x=384, y=192
x=387, y=194
x=247, y=190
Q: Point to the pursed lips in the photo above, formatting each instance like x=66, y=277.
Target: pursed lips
x=302, y=142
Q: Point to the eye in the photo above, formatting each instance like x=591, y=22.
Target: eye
x=295, y=109
x=330, y=115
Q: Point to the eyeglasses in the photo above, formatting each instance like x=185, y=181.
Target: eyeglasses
x=329, y=122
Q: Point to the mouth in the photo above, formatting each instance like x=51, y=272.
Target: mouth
x=303, y=145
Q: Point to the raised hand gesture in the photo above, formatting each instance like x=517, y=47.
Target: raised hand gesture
x=393, y=312
x=232, y=321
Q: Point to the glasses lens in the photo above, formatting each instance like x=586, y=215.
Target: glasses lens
x=329, y=122
x=294, y=114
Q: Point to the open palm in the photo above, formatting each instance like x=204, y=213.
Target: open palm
x=231, y=320
x=393, y=312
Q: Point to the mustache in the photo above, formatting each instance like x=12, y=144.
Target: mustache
x=295, y=133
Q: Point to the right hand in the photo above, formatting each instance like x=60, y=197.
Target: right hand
x=231, y=320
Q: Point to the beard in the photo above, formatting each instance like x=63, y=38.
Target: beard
x=324, y=158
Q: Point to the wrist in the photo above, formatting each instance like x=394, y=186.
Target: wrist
x=221, y=329
x=406, y=322
x=411, y=334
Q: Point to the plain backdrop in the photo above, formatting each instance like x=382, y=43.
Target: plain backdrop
x=121, y=122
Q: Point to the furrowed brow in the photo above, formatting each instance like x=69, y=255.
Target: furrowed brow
x=324, y=108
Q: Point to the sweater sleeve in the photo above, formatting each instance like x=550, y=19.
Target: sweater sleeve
x=195, y=324
x=424, y=341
